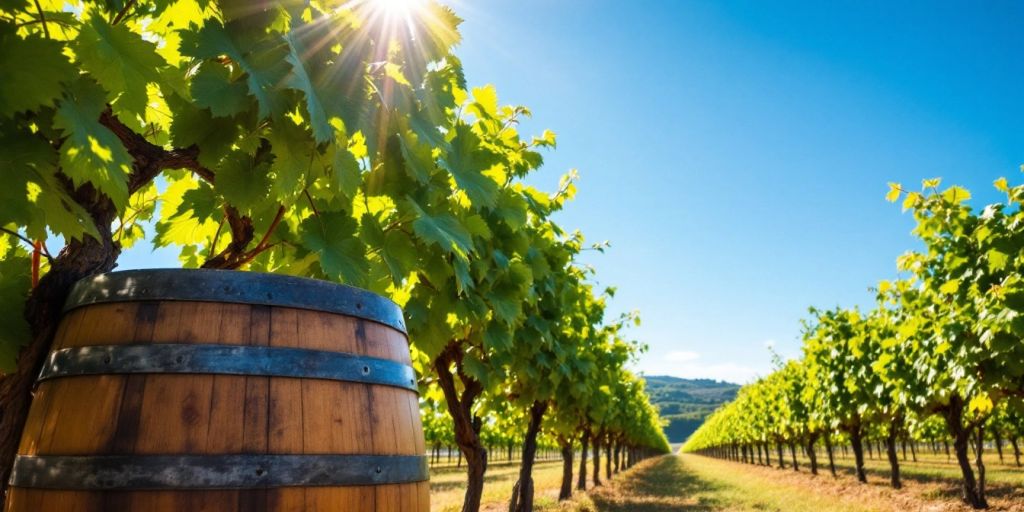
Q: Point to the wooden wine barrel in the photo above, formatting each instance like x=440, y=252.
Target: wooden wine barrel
x=207, y=390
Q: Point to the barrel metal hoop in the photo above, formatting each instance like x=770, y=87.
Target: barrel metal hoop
x=228, y=286
x=178, y=358
x=156, y=472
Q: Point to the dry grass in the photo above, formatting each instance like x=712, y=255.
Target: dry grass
x=695, y=483
x=447, y=485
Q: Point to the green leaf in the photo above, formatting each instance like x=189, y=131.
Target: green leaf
x=442, y=229
x=213, y=88
x=956, y=194
x=294, y=157
x=187, y=214
x=346, y=176
x=120, y=60
x=332, y=86
x=34, y=69
x=476, y=369
x=243, y=182
x=485, y=101
x=419, y=159
x=894, y=192
x=997, y=260
x=34, y=197
x=214, y=136
x=506, y=302
x=497, y=336
x=1002, y=185
x=23, y=155
x=396, y=249
x=15, y=283
x=91, y=153
x=332, y=235
x=512, y=210
x=262, y=60
x=911, y=201
x=467, y=161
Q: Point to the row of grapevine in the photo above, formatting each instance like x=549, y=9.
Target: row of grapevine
x=336, y=140
x=940, y=359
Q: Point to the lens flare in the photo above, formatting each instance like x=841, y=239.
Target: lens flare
x=397, y=8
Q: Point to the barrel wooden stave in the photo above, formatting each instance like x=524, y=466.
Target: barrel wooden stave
x=220, y=414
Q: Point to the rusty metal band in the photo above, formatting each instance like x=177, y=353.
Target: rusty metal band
x=177, y=358
x=156, y=472
x=235, y=287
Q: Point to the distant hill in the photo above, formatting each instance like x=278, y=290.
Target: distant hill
x=686, y=402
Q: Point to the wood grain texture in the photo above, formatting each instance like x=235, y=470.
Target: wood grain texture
x=223, y=414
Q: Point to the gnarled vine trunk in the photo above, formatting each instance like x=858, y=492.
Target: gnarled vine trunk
x=581, y=484
x=953, y=414
x=608, y=459
x=522, y=492
x=811, y=455
x=831, y=454
x=858, y=452
x=1016, y=450
x=565, y=492
x=894, y=463
x=467, y=427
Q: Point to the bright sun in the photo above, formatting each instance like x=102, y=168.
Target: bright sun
x=397, y=8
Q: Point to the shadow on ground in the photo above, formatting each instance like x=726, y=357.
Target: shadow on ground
x=946, y=486
x=661, y=486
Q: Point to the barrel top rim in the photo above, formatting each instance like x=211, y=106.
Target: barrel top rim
x=237, y=287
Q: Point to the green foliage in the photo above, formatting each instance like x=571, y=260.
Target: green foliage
x=323, y=140
x=940, y=351
x=15, y=283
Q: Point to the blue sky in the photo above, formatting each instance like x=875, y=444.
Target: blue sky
x=736, y=154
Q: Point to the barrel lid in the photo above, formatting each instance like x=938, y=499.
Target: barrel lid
x=208, y=285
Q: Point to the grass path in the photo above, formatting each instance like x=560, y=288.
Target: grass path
x=691, y=483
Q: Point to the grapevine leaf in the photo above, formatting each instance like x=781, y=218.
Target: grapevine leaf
x=21, y=154
x=331, y=92
x=506, y=303
x=396, y=249
x=120, y=60
x=1002, y=185
x=512, y=210
x=243, y=182
x=92, y=153
x=34, y=69
x=213, y=88
x=345, y=172
x=485, y=102
x=956, y=195
x=294, y=156
x=262, y=61
x=419, y=160
x=186, y=214
x=497, y=336
x=894, y=192
x=476, y=369
x=467, y=161
x=15, y=283
x=442, y=229
x=214, y=136
x=332, y=235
